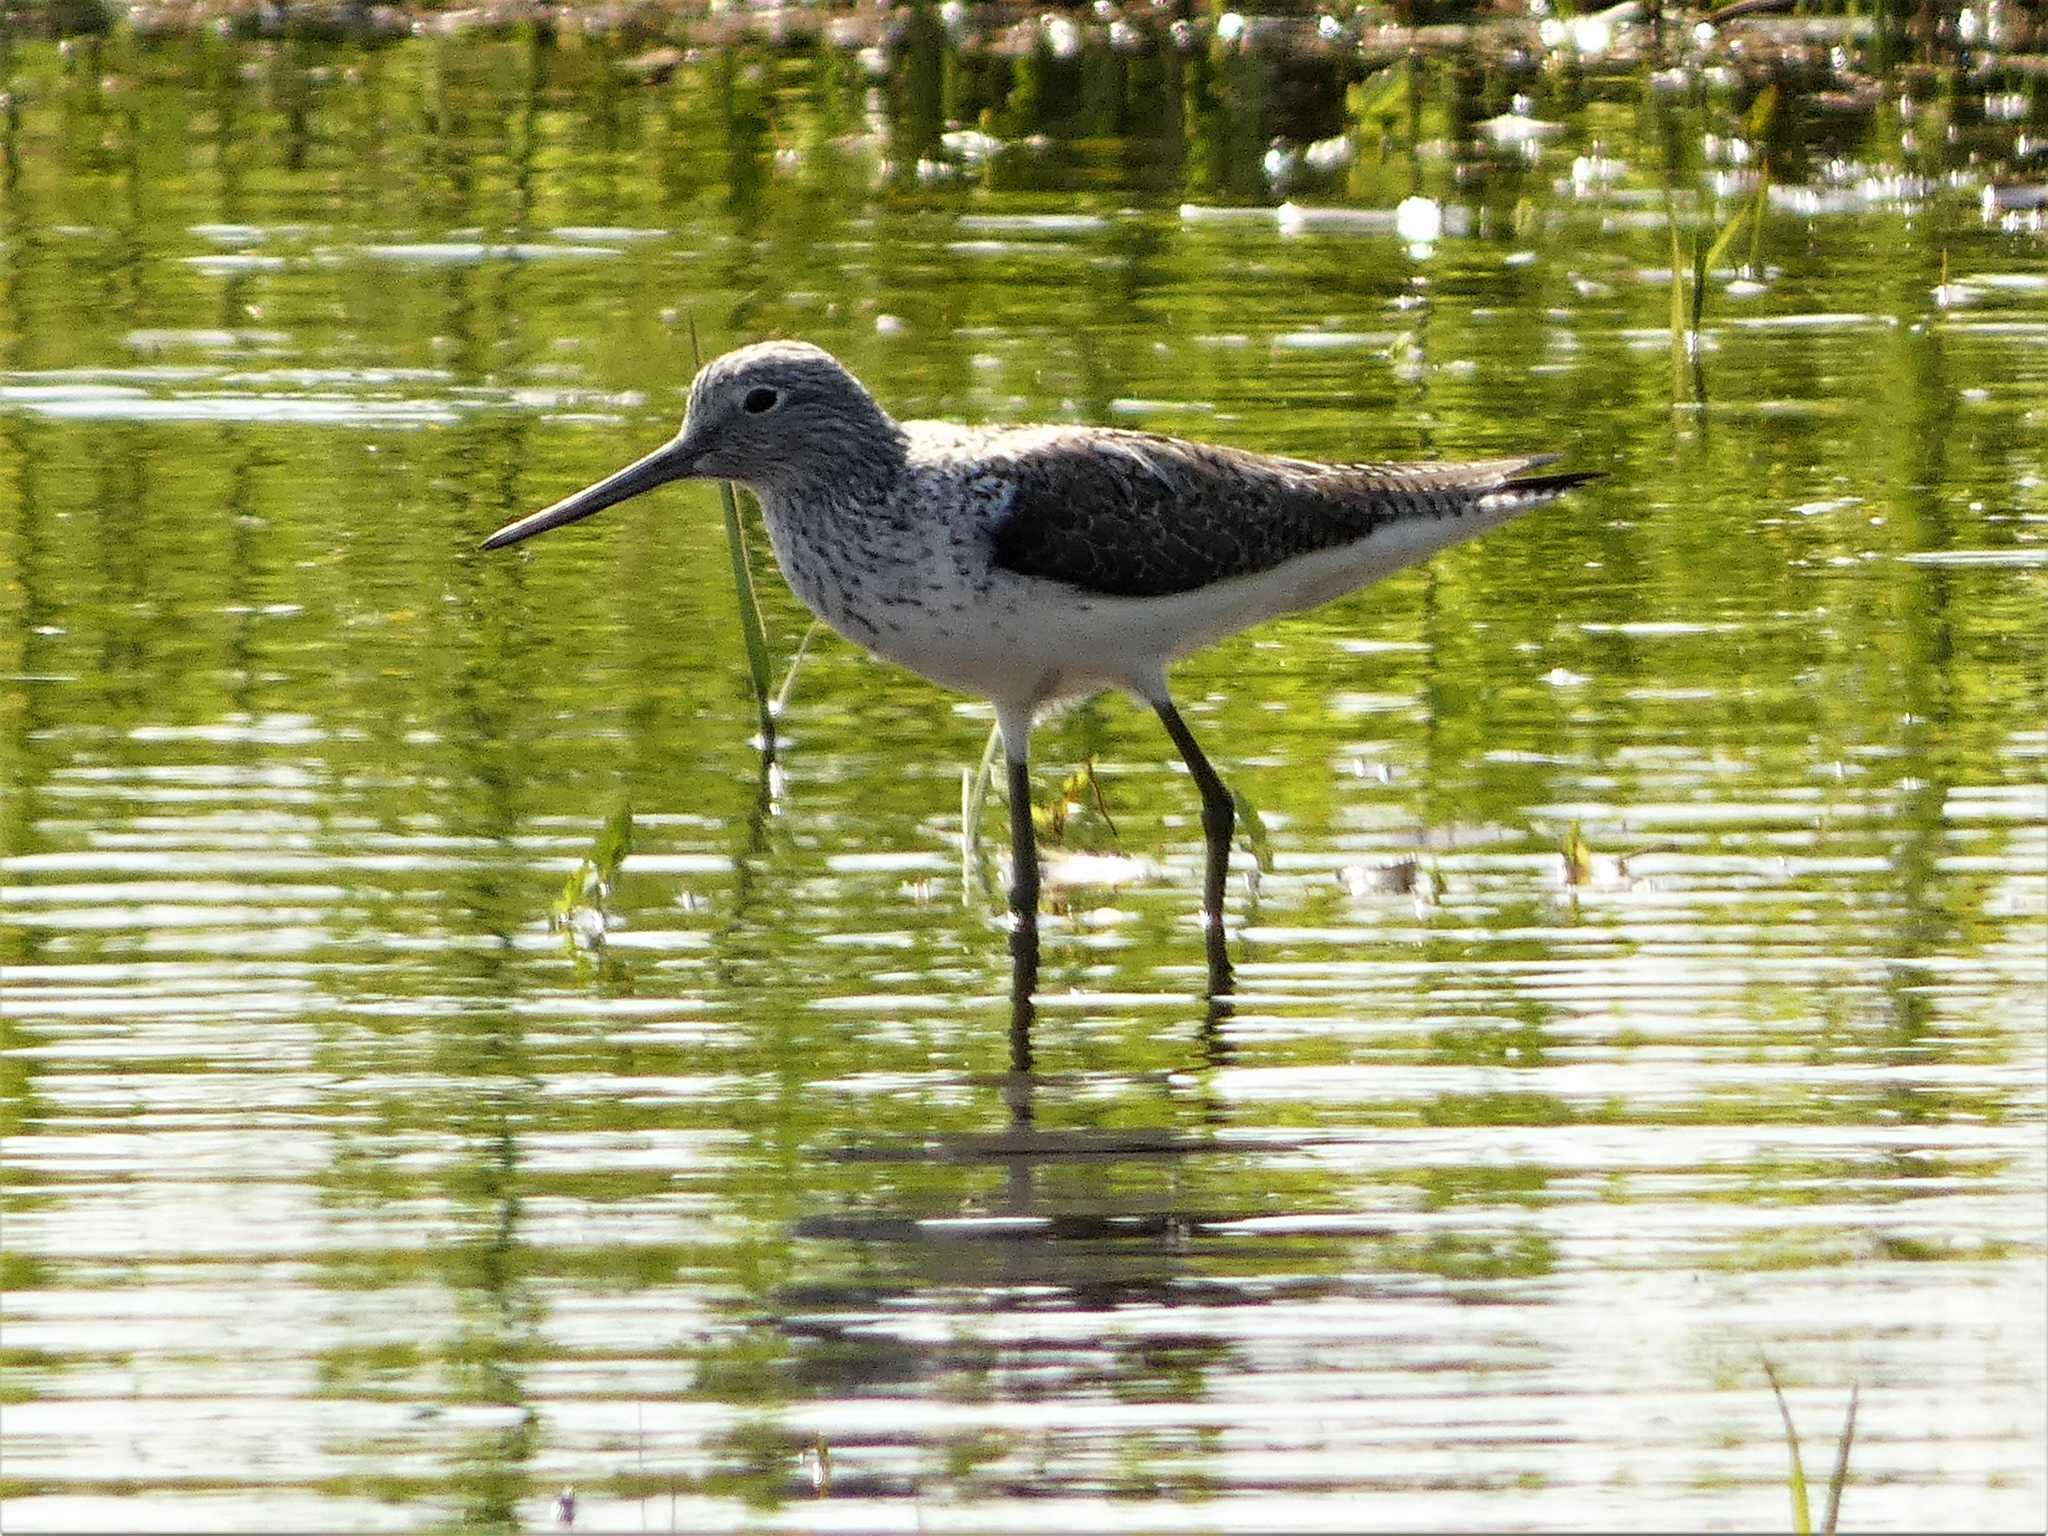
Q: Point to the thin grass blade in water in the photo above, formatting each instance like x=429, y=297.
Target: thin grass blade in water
x=751, y=632
x=803, y=646
x=1251, y=831
x=1056, y=821
x=1678, y=307
x=973, y=797
x=1713, y=255
x=750, y=612
x=1761, y=111
x=1840, y=1477
x=1702, y=260
x=1802, y=1514
x=1756, y=219
x=1718, y=249
x=984, y=772
x=1757, y=122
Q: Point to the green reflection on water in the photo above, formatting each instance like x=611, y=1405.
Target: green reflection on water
x=246, y=631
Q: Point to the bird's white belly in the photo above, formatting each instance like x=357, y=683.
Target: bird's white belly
x=1029, y=642
x=997, y=643
x=943, y=611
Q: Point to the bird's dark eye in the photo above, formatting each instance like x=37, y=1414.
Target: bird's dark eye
x=762, y=399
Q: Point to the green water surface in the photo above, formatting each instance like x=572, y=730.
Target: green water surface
x=443, y=1060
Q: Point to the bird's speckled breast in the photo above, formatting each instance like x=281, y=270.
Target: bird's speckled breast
x=906, y=572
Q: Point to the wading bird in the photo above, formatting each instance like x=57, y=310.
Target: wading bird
x=1027, y=565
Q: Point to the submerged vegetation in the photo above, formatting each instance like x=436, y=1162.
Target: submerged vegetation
x=1838, y=1478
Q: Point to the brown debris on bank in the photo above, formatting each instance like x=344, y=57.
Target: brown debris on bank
x=654, y=36
x=863, y=23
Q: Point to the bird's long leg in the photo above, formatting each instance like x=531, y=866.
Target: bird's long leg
x=1218, y=820
x=1023, y=881
x=1016, y=728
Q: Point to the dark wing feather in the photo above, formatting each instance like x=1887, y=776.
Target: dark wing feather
x=1128, y=514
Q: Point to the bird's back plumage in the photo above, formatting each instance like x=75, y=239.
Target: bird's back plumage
x=1131, y=514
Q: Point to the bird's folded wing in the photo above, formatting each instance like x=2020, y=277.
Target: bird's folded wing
x=1127, y=514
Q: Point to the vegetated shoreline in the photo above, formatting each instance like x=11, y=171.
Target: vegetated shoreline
x=649, y=40
x=1295, y=27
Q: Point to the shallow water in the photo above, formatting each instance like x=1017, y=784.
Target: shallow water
x=1642, y=975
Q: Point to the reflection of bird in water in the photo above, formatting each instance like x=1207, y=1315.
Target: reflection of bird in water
x=1027, y=565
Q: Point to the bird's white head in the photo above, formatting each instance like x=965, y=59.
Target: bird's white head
x=778, y=415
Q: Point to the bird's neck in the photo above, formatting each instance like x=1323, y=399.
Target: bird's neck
x=862, y=462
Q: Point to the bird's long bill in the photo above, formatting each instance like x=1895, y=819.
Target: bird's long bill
x=666, y=463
